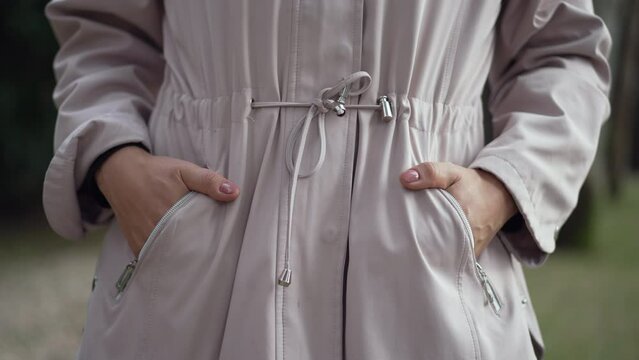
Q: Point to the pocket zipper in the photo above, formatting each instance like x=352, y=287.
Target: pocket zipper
x=490, y=294
x=129, y=269
x=489, y=289
x=126, y=275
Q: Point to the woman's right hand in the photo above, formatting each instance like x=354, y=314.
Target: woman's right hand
x=141, y=187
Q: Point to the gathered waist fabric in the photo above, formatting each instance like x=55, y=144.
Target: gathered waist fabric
x=329, y=99
x=421, y=112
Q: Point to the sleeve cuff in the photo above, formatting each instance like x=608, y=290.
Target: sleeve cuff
x=70, y=210
x=90, y=185
x=530, y=244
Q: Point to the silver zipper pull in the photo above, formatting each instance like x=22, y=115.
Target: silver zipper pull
x=124, y=278
x=387, y=110
x=489, y=290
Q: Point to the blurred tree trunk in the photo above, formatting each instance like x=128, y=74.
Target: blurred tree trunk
x=578, y=231
x=634, y=161
x=619, y=14
x=624, y=98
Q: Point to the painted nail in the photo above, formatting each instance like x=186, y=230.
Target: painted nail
x=227, y=187
x=410, y=175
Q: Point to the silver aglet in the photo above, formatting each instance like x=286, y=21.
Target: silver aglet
x=285, y=277
x=340, y=108
x=387, y=110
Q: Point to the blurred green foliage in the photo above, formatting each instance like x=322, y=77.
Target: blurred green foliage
x=586, y=300
x=27, y=114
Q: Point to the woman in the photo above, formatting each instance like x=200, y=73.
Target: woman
x=310, y=180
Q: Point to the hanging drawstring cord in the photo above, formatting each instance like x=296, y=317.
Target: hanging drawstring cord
x=318, y=107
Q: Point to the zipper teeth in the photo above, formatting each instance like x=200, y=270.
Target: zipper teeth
x=467, y=227
x=158, y=227
x=495, y=303
x=462, y=215
x=163, y=220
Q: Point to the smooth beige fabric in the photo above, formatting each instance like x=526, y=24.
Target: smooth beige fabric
x=180, y=76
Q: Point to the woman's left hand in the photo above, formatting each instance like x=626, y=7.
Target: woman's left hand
x=484, y=198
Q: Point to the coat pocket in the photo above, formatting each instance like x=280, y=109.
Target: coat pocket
x=491, y=296
x=130, y=269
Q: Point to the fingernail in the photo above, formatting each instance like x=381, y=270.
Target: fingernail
x=410, y=175
x=227, y=187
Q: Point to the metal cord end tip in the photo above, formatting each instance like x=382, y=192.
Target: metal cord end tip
x=285, y=277
x=387, y=109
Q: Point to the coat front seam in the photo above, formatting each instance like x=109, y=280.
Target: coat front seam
x=339, y=325
x=296, y=48
x=291, y=94
x=451, y=53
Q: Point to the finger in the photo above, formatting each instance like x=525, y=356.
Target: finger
x=431, y=175
x=209, y=182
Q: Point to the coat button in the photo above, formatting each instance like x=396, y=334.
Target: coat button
x=524, y=301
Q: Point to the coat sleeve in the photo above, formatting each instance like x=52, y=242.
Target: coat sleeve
x=548, y=98
x=108, y=70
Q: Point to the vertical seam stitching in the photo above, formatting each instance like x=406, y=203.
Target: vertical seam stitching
x=296, y=49
x=451, y=53
x=292, y=96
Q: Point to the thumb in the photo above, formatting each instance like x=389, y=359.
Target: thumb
x=209, y=182
x=431, y=175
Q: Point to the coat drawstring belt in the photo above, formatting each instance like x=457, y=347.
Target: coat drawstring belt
x=318, y=107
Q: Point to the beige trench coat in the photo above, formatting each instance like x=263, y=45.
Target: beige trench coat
x=183, y=77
